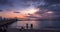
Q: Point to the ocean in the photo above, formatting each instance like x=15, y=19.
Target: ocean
x=36, y=24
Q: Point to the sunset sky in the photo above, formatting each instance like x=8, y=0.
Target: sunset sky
x=29, y=8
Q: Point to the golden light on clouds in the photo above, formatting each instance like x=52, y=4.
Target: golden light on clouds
x=30, y=11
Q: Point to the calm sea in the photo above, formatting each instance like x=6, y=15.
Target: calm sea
x=36, y=24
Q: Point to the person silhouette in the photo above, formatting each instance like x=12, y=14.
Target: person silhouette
x=31, y=26
x=27, y=26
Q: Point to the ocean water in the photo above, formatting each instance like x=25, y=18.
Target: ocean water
x=36, y=24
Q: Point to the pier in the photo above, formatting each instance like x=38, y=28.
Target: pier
x=4, y=24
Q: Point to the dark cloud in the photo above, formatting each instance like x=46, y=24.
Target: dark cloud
x=52, y=1
x=55, y=8
x=1, y=10
x=3, y=2
x=31, y=16
x=52, y=5
x=32, y=0
x=6, y=2
x=16, y=12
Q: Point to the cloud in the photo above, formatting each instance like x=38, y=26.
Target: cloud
x=1, y=10
x=6, y=2
x=52, y=1
x=55, y=7
x=16, y=12
x=19, y=4
x=32, y=0
x=50, y=5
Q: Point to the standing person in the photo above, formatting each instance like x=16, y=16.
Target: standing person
x=27, y=26
x=31, y=26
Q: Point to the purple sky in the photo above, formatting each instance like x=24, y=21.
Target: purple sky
x=39, y=7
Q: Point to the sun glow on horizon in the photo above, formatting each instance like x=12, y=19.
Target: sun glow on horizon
x=22, y=14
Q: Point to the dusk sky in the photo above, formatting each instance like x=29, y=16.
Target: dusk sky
x=29, y=8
